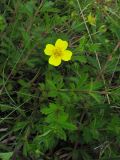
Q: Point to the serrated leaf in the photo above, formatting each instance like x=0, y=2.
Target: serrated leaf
x=52, y=108
x=68, y=126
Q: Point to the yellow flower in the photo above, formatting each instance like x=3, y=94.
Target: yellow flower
x=91, y=19
x=58, y=52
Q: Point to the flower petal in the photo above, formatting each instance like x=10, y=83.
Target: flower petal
x=66, y=55
x=49, y=50
x=55, y=61
x=61, y=44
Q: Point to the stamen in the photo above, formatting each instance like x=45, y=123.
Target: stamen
x=57, y=52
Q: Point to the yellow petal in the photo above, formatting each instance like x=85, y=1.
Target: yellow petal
x=49, y=50
x=55, y=61
x=61, y=44
x=66, y=55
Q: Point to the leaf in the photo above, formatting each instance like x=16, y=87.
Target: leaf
x=57, y=116
x=26, y=148
x=52, y=108
x=60, y=133
x=41, y=137
x=103, y=28
x=58, y=120
x=64, y=97
x=115, y=94
x=20, y=125
x=80, y=58
x=6, y=156
x=27, y=8
x=23, y=83
x=82, y=80
x=51, y=88
x=96, y=96
x=48, y=7
x=82, y=44
x=62, y=117
x=87, y=135
x=7, y=107
x=2, y=23
x=92, y=87
x=115, y=26
x=26, y=37
x=114, y=125
x=95, y=133
x=95, y=47
x=68, y=126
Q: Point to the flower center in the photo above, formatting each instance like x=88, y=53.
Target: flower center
x=57, y=52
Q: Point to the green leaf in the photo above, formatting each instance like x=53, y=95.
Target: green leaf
x=95, y=133
x=51, y=88
x=26, y=37
x=26, y=148
x=52, y=108
x=82, y=44
x=27, y=8
x=80, y=58
x=48, y=7
x=93, y=47
x=60, y=132
x=68, y=126
x=2, y=23
x=6, y=156
x=96, y=96
x=20, y=125
x=114, y=125
x=7, y=107
x=87, y=135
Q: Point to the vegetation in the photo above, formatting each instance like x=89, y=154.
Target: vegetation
x=65, y=112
